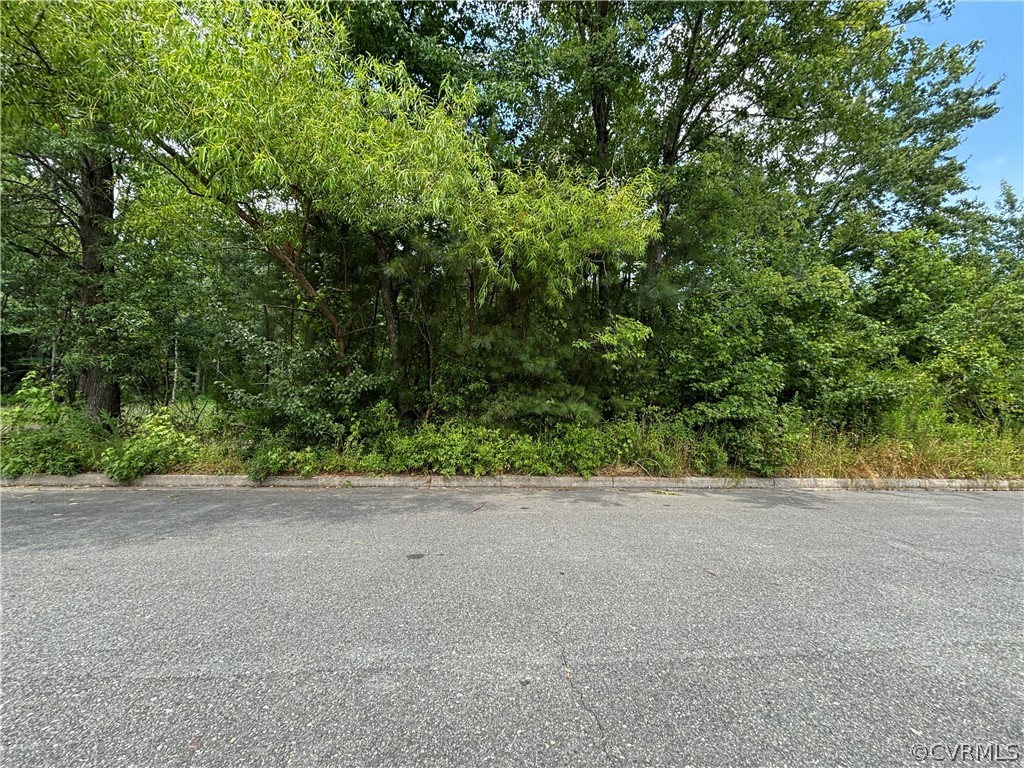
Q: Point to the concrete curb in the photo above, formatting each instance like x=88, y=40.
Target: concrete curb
x=96, y=480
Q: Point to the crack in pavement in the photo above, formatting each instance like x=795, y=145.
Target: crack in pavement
x=578, y=695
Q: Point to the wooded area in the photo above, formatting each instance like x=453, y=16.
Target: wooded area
x=483, y=237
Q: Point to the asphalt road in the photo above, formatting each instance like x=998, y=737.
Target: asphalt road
x=269, y=627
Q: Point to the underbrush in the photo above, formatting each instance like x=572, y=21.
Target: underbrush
x=43, y=436
x=40, y=436
x=664, y=450
x=155, y=447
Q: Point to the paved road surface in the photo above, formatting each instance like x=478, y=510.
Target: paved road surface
x=308, y=628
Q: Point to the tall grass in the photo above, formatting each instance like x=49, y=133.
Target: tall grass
x=969, y=453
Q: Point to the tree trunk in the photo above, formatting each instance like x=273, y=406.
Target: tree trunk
x=174, y=377
x=102, y=396
x=593, y=24
x=474, y=299
x=102, y=391
x=656, y=246
x=389, y=302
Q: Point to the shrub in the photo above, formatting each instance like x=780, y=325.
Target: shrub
x=304, y=399
x=41, y=435
x=269, y=456
x=305, y=462
x=155, y=447
x=581, y=448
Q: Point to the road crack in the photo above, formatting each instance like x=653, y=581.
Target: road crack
x=581, y=699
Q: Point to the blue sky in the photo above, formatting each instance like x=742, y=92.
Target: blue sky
x=993, y=149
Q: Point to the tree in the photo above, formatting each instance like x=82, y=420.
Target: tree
x=296, y=137
x=61, y=164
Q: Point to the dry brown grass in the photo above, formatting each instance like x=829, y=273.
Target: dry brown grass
x=971, y=454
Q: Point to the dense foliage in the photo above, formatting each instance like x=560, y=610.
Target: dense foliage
x=474, y=238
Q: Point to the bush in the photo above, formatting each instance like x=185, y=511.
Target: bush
x=155, y=447
x=305, y=399
x=41, y=435
x=269, y=456
x=66, y=448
